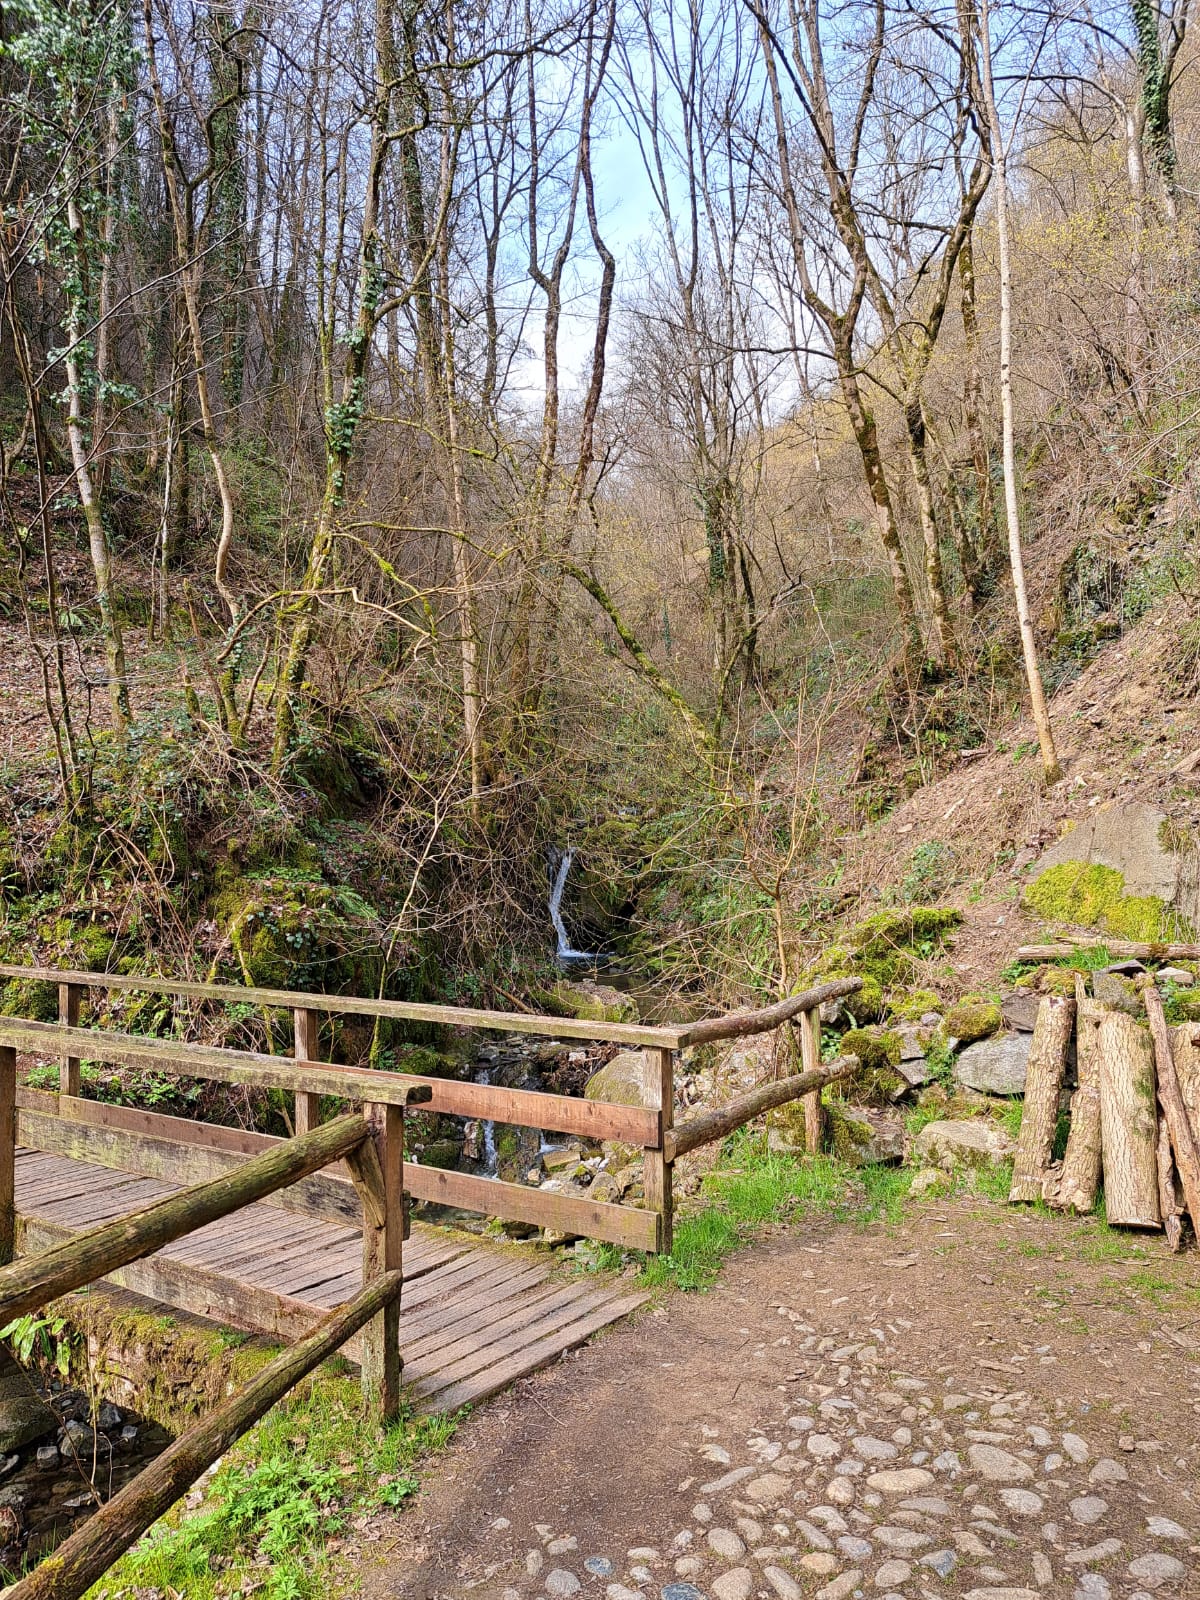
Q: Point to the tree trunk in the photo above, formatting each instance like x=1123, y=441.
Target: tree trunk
x=1128, y=1124
x=1174, y=1110
x=914, y=422
x=1043, y=1081
x=1073, y=1186
x=973, y=556
x=1033, y=675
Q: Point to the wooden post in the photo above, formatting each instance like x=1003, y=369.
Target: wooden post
x=1043, y=1082
x=657, y=1170
x=308, y=1106
x=378, y=1171
x=8, y=1152
x=1128, y=1122
x=1072, y=1187
x=70, y=998
x=810, y=1060
x=1174, y=1108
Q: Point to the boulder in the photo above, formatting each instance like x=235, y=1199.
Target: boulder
x=995, y=1066
x=623, y=1080
x=930, y=1180
x=1020, y=1010
x=1115, y=989
x=865, y=1137
x=24, y=1415
x=592, y=1002
x=1179, y=976
x=973, y=1143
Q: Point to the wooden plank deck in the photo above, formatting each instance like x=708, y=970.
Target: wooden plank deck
x=473, y=1317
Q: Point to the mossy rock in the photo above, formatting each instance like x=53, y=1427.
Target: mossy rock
x=1088, y=895
x=882, y=951
x=879, y=1081
x=1050, y=979
x=288, y=931
x=425, y=1063
x=912, y=1005
x=589, y=1002
x=846, y=1136
x=886, y=932
x=972, y=1019
x=445, y=1154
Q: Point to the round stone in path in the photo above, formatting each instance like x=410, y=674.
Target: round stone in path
x=562, y=1584
x=901, y=1480
x=1022, y=1502
x=1093, y=1586
x=1088, y=1508
x=599, y=1566
x=724, y=1542
x=736, y=1584
x=998, y=1466
x=1164, y=1528
x=891, y=1573
x=1156, y=1569
x=678, y=1591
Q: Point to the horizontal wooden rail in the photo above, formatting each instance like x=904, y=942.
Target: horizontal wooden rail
x=30, y=1282
x=716, y=1124
x=627, y=1226
x=593, y=1119
x=739, y=1024
x=627, y=1033
x=173, y=1149
x=80, y=1560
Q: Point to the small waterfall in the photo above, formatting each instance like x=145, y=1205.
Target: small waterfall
x=565, y=950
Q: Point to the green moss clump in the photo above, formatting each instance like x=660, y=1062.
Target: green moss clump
x=292, y=931
x=1050, y=979
x=875, y=1047
x=889, y=931
x=598, y=1004
x=881, y=951
x=846, y=1135
x=912, y=1006
x=972, y=1019
x=1092, y=896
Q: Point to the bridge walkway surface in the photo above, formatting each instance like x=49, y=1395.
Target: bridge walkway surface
x=474, y=1316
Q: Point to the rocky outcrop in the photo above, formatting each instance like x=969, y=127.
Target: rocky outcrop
x=971, y=1143
x=995, y=1066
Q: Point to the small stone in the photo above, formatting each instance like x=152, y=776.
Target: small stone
x=1088, y=1508
x=1076, y=1448
x=1164, y=1528
x=47, y=1458
x=725, y=1543
x=1107, y=1470
x=857, y=1549
x=768, y=1490
x=620, y=1591
x=840, y=1587
x=1053, y=1461
x=599, y=1566
x=750, y=1530
x=823, y=1446
x=840, y=1491
x=563, y=1546
x=643, y=1552
x=819, y=1562
x=701, y=1513
x=814, y=1536
x=717, y=1455
x=891, y=1573
x=783, y=1584
x=927, y=1505
x=534, y=1562
x=947, y=1462
x=641, y=1574
x=1155, y=1569
x=736, y=1584
x=1093, y=1586
x=670, y=1591
x=1093, y=1553
x=1043, y=1572
x=738, y=1475
x=561, y=1584
x=901, y=1480
x=1001, y=1594
x=1042, y=1438
x=1021, y=1502
x=873, y=1449
x=943, y=1562
x=689, y=1567
x=998, y=1466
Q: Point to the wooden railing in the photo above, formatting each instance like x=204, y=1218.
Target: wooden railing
x=154, y=1145
x=350, y=1168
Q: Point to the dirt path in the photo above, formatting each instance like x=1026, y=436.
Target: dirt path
x=977, y=1403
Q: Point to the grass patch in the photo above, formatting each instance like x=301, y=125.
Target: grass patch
x=754, y=1186
x=275, y=1507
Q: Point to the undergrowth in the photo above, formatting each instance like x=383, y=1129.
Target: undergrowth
x=275, y=1510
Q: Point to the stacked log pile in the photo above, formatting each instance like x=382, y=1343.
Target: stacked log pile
x=1134, y=1115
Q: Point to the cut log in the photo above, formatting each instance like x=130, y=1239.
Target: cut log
x=1168, y=1194
x=1174, y=1111
x=1043, y=1083
x=1185, y=1050
x=1073, y=1186
x=1128, y=1122
x=1121, y=949
x=741, y=1023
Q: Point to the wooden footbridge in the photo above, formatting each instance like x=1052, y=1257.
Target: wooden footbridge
x=308, y=1238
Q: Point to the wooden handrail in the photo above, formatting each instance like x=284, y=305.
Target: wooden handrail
x=596, y=1119
x=727, y=1119
x=627, y=1033
x=70, y=1570
x=30, y=1282
x=739, y=1024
